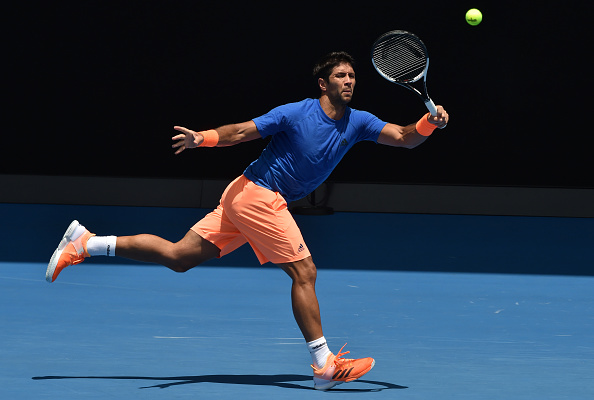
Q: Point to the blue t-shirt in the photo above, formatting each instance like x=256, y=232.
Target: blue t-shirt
x=306, y=146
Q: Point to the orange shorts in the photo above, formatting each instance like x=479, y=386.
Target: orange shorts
x=250, y=213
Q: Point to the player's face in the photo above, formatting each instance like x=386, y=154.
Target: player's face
x=341, y=83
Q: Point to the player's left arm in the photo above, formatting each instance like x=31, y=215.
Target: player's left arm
x=407, y=136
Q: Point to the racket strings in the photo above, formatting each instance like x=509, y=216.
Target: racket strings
x=401, y=59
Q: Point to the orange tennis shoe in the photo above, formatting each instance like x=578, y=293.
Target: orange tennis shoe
x=338, y=370
x=71, y=250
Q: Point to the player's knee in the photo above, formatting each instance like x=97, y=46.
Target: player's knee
x=306, y=272
x=180, y=266
x=183, y=256
x=180, y=261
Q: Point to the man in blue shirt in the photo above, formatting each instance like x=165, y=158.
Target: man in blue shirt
x=308, y=139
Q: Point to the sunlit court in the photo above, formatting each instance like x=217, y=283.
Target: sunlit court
x=482, y=314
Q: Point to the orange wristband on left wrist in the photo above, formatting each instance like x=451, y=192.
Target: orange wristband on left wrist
x=424, y=127
x=211, y=138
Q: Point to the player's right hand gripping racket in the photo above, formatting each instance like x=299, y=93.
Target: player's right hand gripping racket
x=401, y=57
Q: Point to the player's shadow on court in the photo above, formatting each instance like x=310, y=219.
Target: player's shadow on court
x=284, y=381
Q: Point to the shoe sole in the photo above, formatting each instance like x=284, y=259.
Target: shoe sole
x=51, y=267
x=331, y=384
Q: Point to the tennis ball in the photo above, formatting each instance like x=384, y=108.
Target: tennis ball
x=474, y=16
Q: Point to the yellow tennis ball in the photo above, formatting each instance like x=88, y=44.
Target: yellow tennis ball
x=474, y=16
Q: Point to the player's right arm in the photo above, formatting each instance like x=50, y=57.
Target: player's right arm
x=228, y=135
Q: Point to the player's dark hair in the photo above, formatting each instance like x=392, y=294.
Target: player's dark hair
x=326, y=64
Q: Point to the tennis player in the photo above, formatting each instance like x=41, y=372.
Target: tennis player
x=309, y=138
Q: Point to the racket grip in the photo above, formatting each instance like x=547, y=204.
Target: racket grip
x=431, y=107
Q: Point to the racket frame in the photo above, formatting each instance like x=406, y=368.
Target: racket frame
x=422, y=92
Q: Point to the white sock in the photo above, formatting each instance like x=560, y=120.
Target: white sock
x=101, y=245
x=319, y=352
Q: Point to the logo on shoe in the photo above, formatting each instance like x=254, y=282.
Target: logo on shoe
x=342, y=374
x=108, y=249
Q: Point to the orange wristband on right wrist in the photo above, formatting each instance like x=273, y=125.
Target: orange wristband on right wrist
x=211, y=138
x=424, y=127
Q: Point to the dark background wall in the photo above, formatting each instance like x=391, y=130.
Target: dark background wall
x=392, y=241
x=106, y=81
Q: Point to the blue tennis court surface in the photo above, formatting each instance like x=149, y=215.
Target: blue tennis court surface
x=107, y=329
x=122, y=332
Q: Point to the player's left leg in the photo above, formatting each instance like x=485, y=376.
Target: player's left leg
x=262, y=217
x=329, y=369
x=306, y=309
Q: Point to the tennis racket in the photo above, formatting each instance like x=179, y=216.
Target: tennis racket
x=401, y=57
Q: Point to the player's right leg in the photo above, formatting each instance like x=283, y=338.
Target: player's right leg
x=181, y=256
x=71, y=250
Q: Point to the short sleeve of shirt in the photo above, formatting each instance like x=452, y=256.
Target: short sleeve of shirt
x=272, y=122
x=371, y=126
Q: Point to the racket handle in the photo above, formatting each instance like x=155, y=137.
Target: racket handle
x=431, y=107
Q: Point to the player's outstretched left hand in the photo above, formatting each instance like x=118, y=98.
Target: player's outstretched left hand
x=441, y=119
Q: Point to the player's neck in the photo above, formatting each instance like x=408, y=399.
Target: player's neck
x=334, y=110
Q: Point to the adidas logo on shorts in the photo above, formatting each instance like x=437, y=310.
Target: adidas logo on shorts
x=301, y=248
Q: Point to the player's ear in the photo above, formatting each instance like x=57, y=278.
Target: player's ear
x=322, y=84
